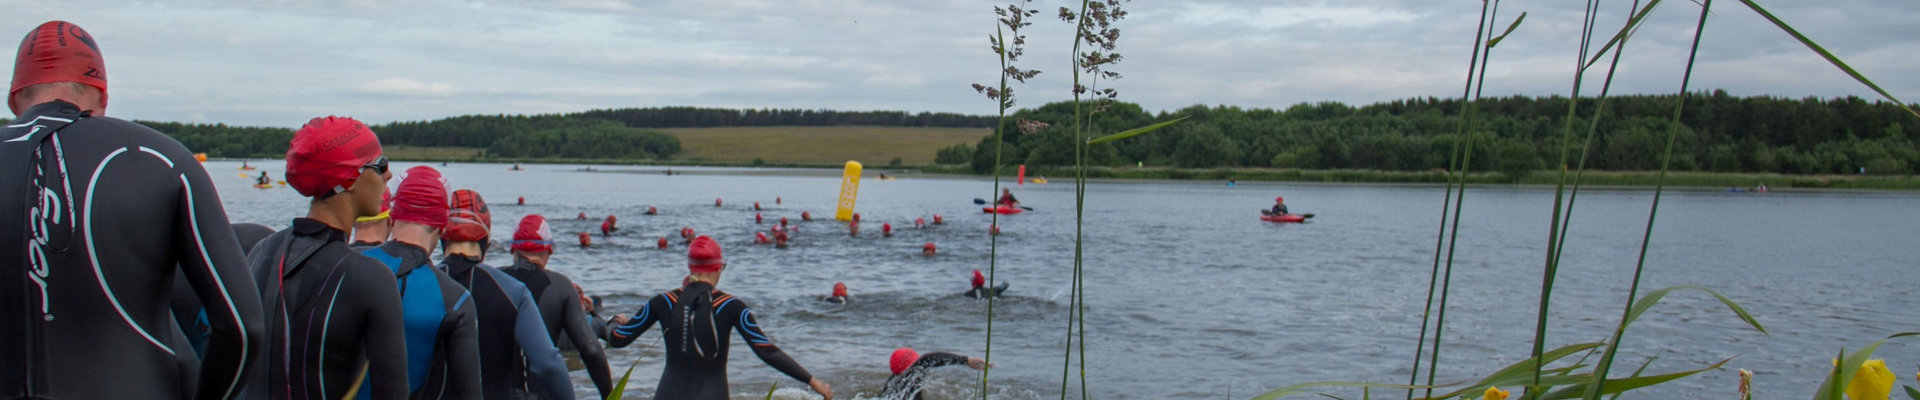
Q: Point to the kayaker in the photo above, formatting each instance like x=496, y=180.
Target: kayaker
x=1279, y=207
x=910, y=371
x=317, y=348
x=263, y=179
x=517, y=357
x=157, y=216
x=1006, y=198
x=443, y=356
x=695, y=319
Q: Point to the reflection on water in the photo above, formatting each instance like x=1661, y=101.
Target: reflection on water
x=1190, y=295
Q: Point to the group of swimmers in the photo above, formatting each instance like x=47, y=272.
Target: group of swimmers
x=149, y=292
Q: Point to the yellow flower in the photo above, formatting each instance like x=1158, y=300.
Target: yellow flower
x=1494, y=393
x=1872, y=382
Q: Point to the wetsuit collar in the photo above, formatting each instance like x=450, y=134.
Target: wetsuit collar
x=56, y=108
x=410, y=256
x=309, y=227
x=521, y=262
x=459, y=265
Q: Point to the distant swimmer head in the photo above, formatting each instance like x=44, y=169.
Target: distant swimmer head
x=756, y=206
x=716, y=202
x=663, y=243
x=468, y=220
x=804, y=216
x=979, y=279
x=840, y=289
x=582, y=217
x=927, y=250
x=54, y=52
x=328, y=154
x=703, y=257
x=919, y=222
x=756, y=218
x=533, y=236
x=902, y=359
x=1279, y=199
x=886, y=229
x=652, y=211
x=422, y=198
x=783, y=220
x=586, y=239
x=760, y=238
x=856, y=217
x=937, y=220
x=686, y=233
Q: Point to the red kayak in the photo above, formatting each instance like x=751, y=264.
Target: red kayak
x=1284, y=218
x=1009, y=210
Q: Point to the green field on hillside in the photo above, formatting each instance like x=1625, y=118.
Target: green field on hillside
x=870, y=145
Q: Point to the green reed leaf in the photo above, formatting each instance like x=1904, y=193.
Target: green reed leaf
x=1135, y=131
x=1627, y=30
x=1301, y=389
x=1614, y=386
x=620, y=388
x=1503, y=35
x=1831, y=59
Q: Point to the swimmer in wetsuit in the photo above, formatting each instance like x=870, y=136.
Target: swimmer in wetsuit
x=910, y=371
x=558, y=301
x=694, y=321
x=329, y=306
x=98, y=216
x=980, y=289
x=517, y=358
x=443, y=357
x=187, y=311
x=839, y=294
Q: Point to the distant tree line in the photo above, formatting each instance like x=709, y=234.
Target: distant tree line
x=596, y=134
x=1514, y=135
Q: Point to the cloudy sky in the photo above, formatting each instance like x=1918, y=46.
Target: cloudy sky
x=280, y=62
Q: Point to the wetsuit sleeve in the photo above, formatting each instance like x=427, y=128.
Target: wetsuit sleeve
x=623, y=335
x=549, y=373
x=591, y=352
x=939, y=359
x=216, y=269
x=463, y=355
x=763, y=346
x=386, y=345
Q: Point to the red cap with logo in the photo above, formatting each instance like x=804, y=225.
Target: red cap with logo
x=59, y=51
x=422, y=198
x=328, y=153
x=533, y=235
x=703, y=256
x=468, y=220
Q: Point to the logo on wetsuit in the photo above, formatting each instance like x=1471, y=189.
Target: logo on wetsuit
x=46, y=215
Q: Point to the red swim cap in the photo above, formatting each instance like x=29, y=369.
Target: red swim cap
x=1277, y=199
x=927, y=247
x=533, y=235
x=59, y=51
x=327, y=155
x=422, y=198
x=902, y=359
x=839, y=289
x=704, y=256
x=468, y=220
x=978, y=279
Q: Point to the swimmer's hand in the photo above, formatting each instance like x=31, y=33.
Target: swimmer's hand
x=826, y=393
x=977, y=363
x=622, y=319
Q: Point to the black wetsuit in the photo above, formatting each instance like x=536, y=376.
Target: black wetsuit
x=1007, y=200
x=443, y=354
x=517, y=356
x=187, y=311
x=906, y=385
x=1278, y=209
x=86, y=281
x=330, y=309
x=694, y=320
x=560, y=307
x=981, y=292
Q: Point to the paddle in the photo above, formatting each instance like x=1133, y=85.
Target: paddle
x=984, y=202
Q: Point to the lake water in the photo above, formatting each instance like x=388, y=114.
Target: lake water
x=1190, y=296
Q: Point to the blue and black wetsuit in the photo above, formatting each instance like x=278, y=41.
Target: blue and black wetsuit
x=517, y=356
x=330, y=308
x=443, y=357
x=695, y=320
x=906, y=385
x=565, y=318
x=98, y=216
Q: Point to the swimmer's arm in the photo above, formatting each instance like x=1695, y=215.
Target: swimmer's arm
x=549, y=373
x=215, y=267
x=463, y=352
x=763, y=346
x=591, y=352
x=626, y=329
x=385, y=335
x=939, y=359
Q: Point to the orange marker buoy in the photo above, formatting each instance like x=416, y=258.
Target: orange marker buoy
x=936, y=220
x=663, y=243
x=756, y=218
x=586, y=239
